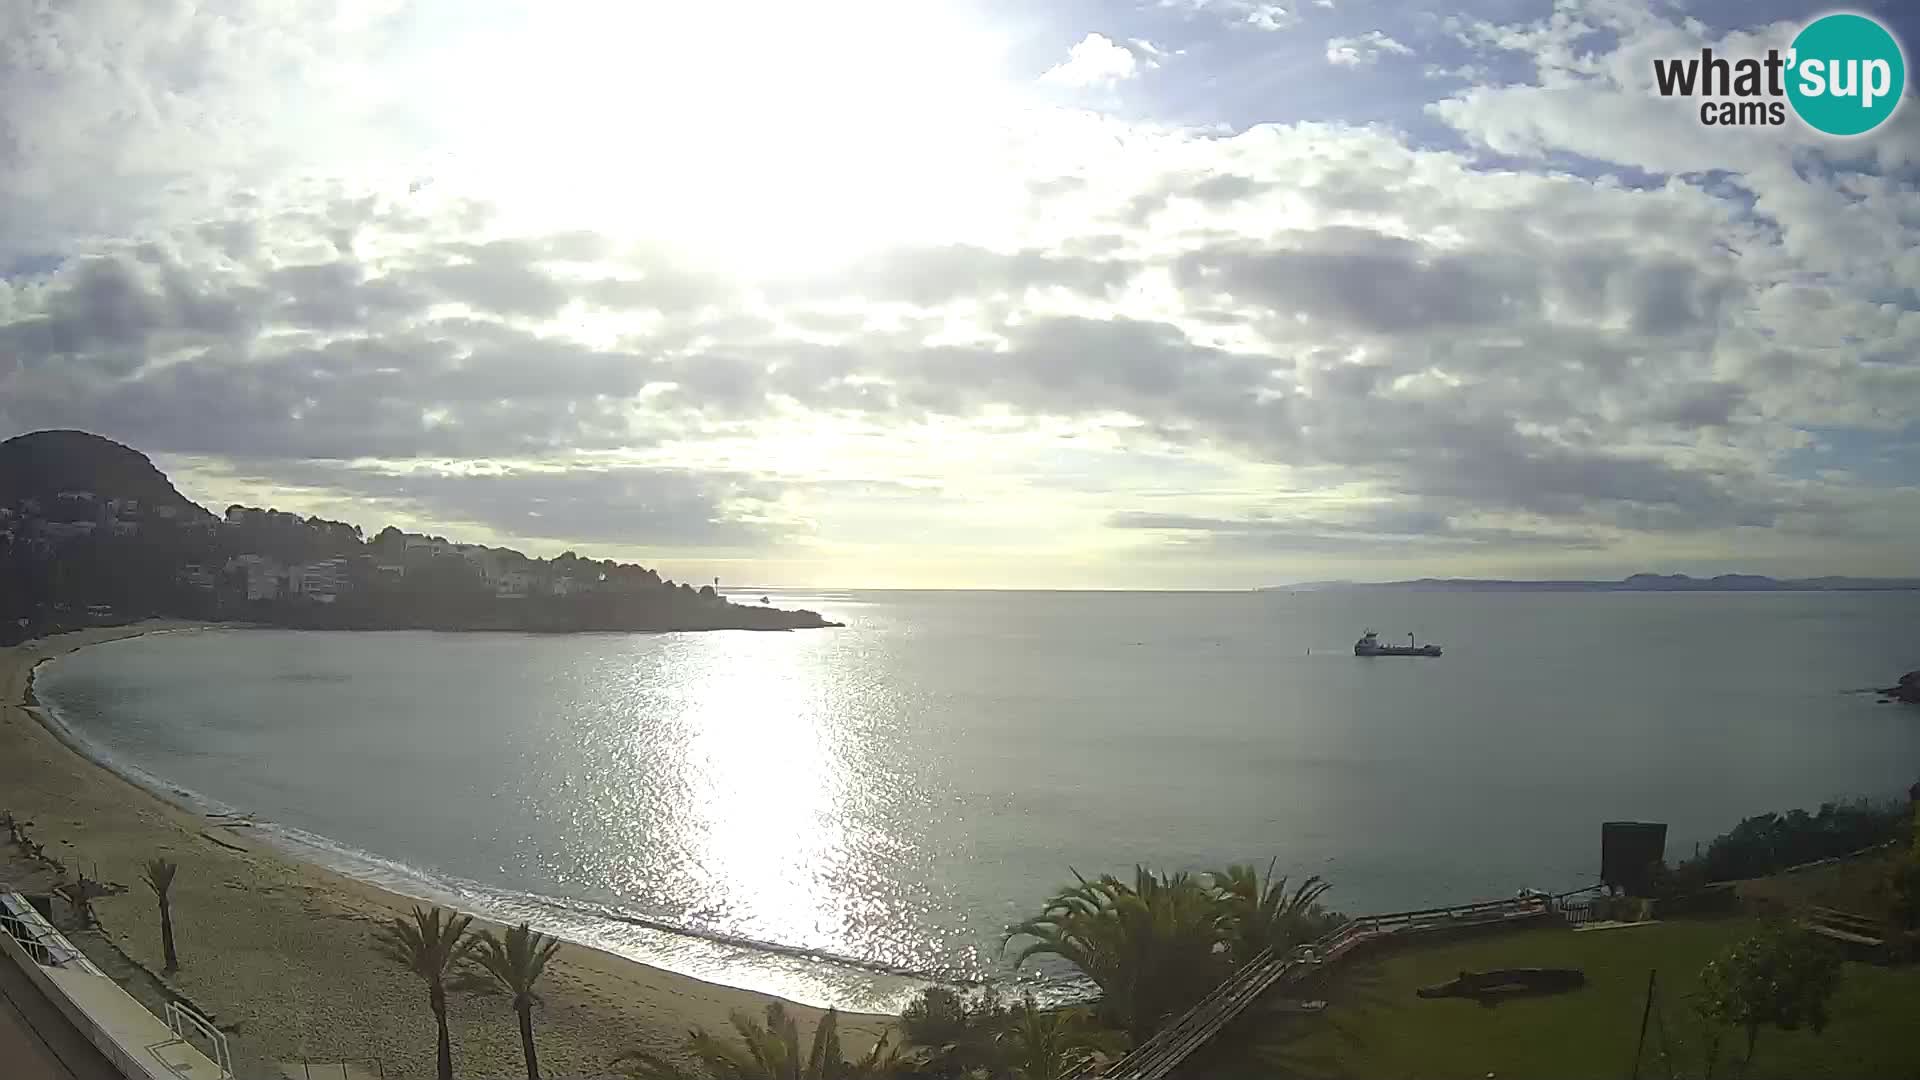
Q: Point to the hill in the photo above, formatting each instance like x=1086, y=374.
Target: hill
x=92, y=532
x=41, y=465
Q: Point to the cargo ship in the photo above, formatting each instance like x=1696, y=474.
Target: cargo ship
x=1369, y=645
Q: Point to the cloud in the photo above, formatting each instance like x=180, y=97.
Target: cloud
x=1094, y=60
x=1363, y=50
x=1371, y=529
x=622, y=508
x=1254, y=14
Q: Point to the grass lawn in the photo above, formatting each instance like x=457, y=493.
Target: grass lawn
x=1855, y=885
x=1375, y=1026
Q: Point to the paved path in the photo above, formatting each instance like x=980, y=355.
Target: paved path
x=36, y=1042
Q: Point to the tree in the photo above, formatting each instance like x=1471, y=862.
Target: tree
x=1265, y=916
x=1903, y=882
x=431, y=945
x=1041, y=1044
x=769, y=1051
x=516, y=964
x=158, y=874
x=1782, y=977
x=954, y=1036
x=1154, y=947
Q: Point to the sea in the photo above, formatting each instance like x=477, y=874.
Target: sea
x=843, y=816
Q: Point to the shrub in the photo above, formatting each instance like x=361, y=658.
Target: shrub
x=1767, y=843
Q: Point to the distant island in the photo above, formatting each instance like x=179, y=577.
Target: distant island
x=1635, y=583
x=91, y=532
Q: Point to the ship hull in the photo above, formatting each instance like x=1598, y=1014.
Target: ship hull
x=1396, y=650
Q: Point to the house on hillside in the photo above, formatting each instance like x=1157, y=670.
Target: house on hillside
x=263, y=576
x=514, y=585
x=485, y=563
x=427, y=545
x=321, y=581
x=65, y=530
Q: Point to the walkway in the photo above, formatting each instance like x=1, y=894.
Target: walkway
x=36, y=1042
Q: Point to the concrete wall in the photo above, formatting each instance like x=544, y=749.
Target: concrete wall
x=76, y=1016
x=95, y=1030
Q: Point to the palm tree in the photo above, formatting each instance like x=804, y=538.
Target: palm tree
x=1042, y=1044
x=516, y=964
x=1153, y=948
x=158, y=875
x=769, y=1051
x=1265, y=916
x=431, y=945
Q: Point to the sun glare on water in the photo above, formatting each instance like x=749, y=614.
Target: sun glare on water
x=757, y=136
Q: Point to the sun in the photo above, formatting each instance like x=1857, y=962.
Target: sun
x=756, y=135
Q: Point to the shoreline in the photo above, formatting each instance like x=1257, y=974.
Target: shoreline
x=280, y=946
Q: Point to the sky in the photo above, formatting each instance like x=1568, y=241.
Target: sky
x=974, y=293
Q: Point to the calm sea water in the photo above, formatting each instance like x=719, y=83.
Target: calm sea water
x=828, y=814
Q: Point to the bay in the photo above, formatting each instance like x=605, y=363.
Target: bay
x=838, y=815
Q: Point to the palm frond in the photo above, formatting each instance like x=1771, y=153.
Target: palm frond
x=516, y=962
x=158, y=874
x=430, y=944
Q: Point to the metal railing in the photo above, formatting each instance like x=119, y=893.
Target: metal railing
x=1576, y=913
x=47, y=946
x=1163, y=1051
x=185, y=1024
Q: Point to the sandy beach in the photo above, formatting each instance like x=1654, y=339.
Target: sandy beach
x=281, y=951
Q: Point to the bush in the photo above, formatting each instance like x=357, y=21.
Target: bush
x=1782, y=977
x=1767, y=843
x=953, y=1035
x=1903, y=882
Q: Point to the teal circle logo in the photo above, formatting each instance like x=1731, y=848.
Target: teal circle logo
x=1845, y=74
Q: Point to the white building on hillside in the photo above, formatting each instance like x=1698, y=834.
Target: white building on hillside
x=263, y=575
x=65, y=530
x=427, y=545
x=322, y=581
x=485, y=563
